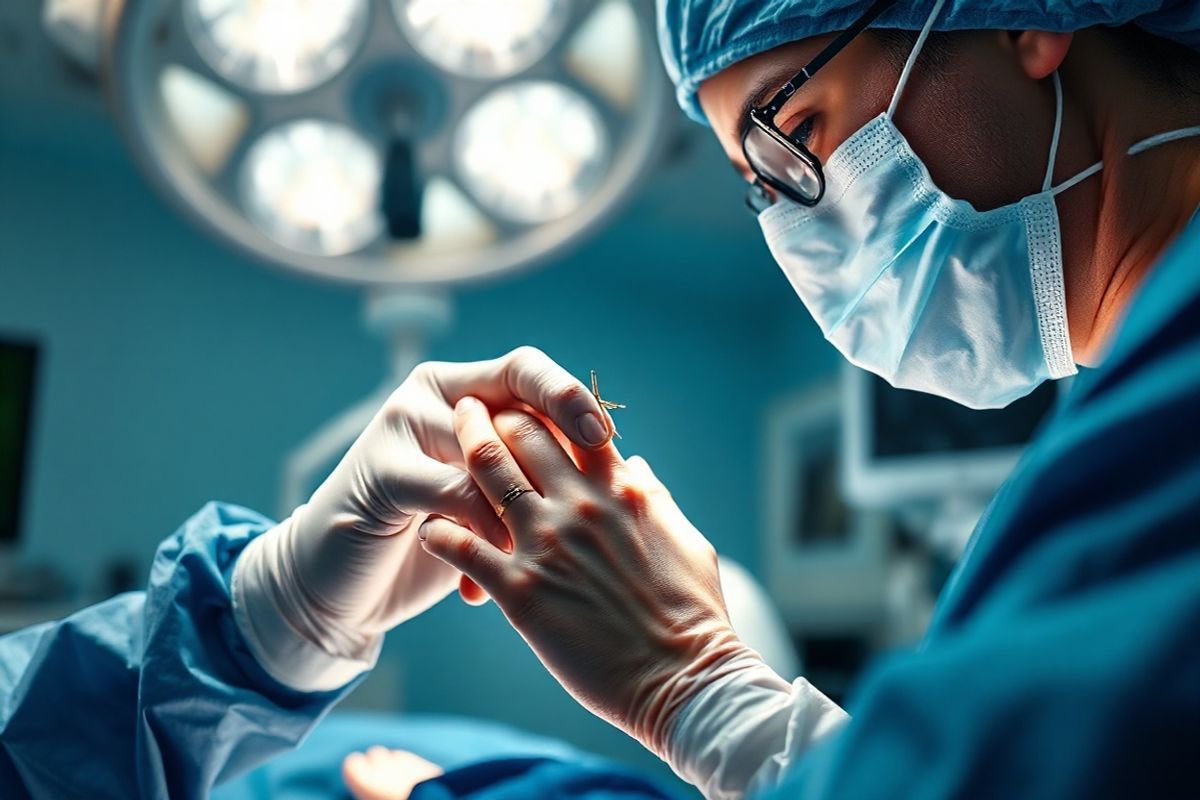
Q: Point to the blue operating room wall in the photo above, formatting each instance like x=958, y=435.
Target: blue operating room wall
x=177, y=372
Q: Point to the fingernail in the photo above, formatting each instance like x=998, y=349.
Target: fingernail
x=421, y=531
x=591, y=429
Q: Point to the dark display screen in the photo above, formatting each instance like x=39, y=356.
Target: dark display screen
x=18, y=370
x=914, y=423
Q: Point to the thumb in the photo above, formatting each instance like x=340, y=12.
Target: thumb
x=467, y=552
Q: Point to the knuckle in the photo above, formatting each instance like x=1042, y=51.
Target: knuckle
x=567, y=393
x=424, y=371
x=545, y=536
x=395, y=411
x=588, y=510
x=466, y=548
x=397, y=407
x=526, y=354
x=523, y=585
x=485, y=456
x=516, y=425
x=633, y=499
x=521, y=593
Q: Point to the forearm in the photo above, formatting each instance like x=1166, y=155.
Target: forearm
x=745, y=727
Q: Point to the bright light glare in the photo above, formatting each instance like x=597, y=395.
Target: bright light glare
x=605, y=52
x=276, y=46
x=532, y=151
x=208, y=120
x=482, y=38
x=313, y=186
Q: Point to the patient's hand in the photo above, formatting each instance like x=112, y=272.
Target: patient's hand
x=615, y=590
x=383, y=774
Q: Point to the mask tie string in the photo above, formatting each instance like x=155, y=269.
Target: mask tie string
x=912, y=58
x=1140, y=146
x=1162, y=138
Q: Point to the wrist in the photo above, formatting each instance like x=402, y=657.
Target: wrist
x=730, y=727
x=744, y=727
x=713, y=655
x=290, y=639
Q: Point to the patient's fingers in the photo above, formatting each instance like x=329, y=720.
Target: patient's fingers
x=469, y=554
x=493, y=467
x=599, y=463
x=538, y=452
x=384, y=774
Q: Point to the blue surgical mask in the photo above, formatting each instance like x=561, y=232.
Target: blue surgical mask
x=922, y=289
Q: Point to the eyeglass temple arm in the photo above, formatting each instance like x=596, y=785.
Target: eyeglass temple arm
x=822, y=58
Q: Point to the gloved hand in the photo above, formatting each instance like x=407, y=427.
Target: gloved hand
x=613, y=588
x=345, y=567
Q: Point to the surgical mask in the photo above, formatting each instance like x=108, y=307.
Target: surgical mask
x=922, y=289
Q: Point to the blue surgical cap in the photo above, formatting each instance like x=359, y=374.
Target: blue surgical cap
x=699, y=38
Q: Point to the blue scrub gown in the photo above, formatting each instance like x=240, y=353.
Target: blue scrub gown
x=148, y=695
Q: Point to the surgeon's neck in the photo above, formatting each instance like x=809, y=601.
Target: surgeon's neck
x=1117, y=225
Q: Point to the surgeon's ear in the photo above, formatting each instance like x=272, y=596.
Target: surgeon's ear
x=1041, y=52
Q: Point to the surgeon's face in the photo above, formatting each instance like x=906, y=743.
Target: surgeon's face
x=972, y=110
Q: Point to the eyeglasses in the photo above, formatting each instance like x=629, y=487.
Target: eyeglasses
x=782, y=163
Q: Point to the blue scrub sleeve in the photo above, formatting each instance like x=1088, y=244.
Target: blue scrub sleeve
x=1096, y=696
x=149, y=694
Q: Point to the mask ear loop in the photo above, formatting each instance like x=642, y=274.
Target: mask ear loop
x=1048, y=181
x=912, y=58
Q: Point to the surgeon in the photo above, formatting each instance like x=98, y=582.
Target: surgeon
x=970, y=198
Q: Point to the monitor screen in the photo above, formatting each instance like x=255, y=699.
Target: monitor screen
x=907, y=423
x=18, y=369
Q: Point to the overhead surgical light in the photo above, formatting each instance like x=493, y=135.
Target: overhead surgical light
x=390, y=142
x=276, y=45
x=483, y=38
x=313, y=186
x=532, y=151
x=395, y=144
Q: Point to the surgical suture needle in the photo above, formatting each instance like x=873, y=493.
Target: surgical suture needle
x=607, y=405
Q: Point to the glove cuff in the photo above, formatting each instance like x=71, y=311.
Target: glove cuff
x=738, y=733
x=293, y=646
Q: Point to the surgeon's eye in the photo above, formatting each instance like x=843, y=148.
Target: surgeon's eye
x=802, y=132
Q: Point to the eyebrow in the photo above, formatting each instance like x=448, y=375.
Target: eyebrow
x=763, y=89
x=778, y=79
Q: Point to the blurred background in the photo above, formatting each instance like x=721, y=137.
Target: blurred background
x=175, y=327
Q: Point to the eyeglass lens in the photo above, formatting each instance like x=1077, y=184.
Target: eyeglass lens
x=771, y=159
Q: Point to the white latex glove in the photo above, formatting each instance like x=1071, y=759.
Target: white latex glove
x=314, y=595
x=608, y=582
